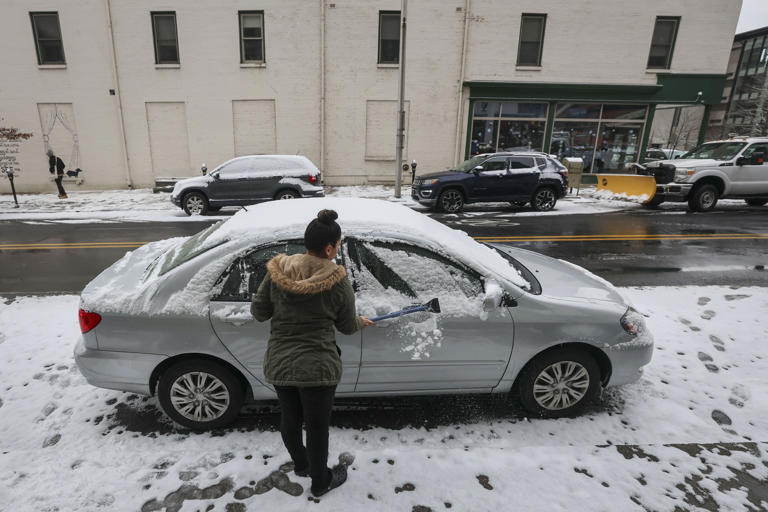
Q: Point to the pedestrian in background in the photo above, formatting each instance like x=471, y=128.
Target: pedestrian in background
x=56, y=165
x=307, y=296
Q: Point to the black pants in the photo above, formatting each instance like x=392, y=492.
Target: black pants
x=58, y=184
x=312, y=406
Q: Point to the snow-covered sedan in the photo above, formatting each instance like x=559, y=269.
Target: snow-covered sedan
x=247, y=180
x=172, y=318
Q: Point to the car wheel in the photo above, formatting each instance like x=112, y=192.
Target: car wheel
x=654, y=202
x=200, y=394
x=518, y=204
x=451, y=200
x=703, y=198
x=544, y=199
x=559, y=383
x=756, y=202
x=286, y=194
x=195, y=203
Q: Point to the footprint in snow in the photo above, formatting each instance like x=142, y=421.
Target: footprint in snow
x=703, y=301
x=739, y=395
x=717, y=343
x=736, y=297
x=484, y=481
x=706, y=358
x=708, y=314
x=721, y=418
x=688, y=324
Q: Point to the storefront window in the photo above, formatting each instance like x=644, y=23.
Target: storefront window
x=484, y=134
x=507, y=126
x=617, y=145
x=578, y=111
x=521, y=135
x=576, y=139
x=487, y=109
x=634, y=112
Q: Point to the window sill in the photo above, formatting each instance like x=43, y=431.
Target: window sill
x=167, y=66
x=51, y=66
x=657, y=70
x=388, y=66
x=253, y=64
x=528, y=68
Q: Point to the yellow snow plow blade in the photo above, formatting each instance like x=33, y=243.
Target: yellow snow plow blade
x=630, y=185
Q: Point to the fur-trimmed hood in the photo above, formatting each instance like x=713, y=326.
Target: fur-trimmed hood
x=304, y=274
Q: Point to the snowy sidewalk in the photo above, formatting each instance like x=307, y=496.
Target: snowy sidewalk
x=690, y=435
x=142, y=205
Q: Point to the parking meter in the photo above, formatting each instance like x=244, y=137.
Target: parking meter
x=413, y=171
x=9, y=172
x=204, y=169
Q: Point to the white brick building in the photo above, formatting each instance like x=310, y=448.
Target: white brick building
x=131, y=91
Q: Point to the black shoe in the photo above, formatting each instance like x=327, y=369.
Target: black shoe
x=301, y=472
x=338, y=477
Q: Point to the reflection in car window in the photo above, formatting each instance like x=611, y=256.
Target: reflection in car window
x=761, y=148
x=190, y=248
x=245, y=274
x=715, y=150
x=520, y=162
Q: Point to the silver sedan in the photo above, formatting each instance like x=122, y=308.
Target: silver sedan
x=172, y=318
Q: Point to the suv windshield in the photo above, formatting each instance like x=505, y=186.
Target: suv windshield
x=470, y=164
x=715, y=150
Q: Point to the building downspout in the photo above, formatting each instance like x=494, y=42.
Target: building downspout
x=322, y=88
x=460, y=95
x=116, y=78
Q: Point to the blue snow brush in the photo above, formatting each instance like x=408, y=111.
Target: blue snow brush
x=432, y=306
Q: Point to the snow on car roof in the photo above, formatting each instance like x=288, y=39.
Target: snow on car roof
x=368, y=218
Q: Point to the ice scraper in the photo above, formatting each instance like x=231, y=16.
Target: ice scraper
x=432, y=306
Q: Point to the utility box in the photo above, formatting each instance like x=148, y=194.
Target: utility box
x=575, y=166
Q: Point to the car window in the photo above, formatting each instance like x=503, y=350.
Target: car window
x=391, y=275
x=495, y=166
x=521, y=162
x=761, y=148
x=237, y=169
x=245, y=274
x=541, y=163
x=657, y=154
x=190, y=248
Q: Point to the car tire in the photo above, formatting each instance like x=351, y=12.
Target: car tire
x=703, y=198
x=540, y=374
x=544, y=199
x=195, y=203
x=450, y=200
x=224, y=398
x=518, y=204
x=654, y=202
x=756, y=202
x=286, y=194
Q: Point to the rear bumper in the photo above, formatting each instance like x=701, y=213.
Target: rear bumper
x=123, y=371
x=628, y=360
x=313, y=193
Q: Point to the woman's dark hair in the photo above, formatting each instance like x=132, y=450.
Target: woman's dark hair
x=322, y=231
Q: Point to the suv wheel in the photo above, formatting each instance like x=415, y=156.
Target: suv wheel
x=451, y=200
x=200, y=394
x=544, y=199
x=195, y=203
x=756, y=202
x=703, y=198
x=286, y=194
x=559, y=383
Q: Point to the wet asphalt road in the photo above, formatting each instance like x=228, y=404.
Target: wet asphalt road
x=637, y=248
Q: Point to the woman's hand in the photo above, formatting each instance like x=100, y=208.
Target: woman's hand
x=367, y=322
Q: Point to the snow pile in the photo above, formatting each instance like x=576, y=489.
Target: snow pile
x=613, y=196
x=237, y=314
x=690, y=432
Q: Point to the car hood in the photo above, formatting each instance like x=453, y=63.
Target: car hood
x=688, y=163
x=561, y=279
x=197, y=181
x=439, y=174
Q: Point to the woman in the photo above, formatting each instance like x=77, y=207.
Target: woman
x=306, y=296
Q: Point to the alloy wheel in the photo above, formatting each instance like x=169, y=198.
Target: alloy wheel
x=451, y=201
x=195, y=205
x=286, y=195
x=561, y=385
x=545, y=199
x=707, y=199
x=199, y=396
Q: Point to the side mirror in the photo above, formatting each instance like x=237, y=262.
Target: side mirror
x=757, y=158
x=741, y=160
x=215, y=176
x=493, y=295
x=478, y=169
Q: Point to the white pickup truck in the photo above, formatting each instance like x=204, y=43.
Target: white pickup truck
x=728, y=169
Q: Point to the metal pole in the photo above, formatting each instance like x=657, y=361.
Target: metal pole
x=13, y=187
x=400, y=104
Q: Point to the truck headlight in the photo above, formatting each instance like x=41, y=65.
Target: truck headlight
x=681, y=174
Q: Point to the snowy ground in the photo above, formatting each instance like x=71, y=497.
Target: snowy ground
x=690, y=435
x=142, y=205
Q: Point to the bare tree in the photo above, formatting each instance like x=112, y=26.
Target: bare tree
x=684, y=132
x=751, y=107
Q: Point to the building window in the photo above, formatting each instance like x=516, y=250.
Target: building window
x=47, y=32
x=251, y=36
x=166, y=38
x=389, y=37
x=663, y=42
x=507, y=126
x=605, y=137
x=531, y=39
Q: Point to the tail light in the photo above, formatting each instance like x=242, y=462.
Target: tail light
x=88, y=320
x=314, y=178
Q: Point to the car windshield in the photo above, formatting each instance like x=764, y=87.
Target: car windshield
x=470, y=164
x=715, y=150
x=190, y=248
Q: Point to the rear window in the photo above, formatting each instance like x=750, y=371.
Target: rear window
x=190, y=248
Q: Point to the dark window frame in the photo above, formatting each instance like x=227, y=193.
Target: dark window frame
x=152, y=16
x=242, y=38
x=671, y=52
x=399, y=42
x=40, y=62
x=531, y=15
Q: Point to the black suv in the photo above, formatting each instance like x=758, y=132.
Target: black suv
x=515, y=177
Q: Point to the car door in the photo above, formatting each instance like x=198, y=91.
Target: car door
x=244, y=337
x=751, y=178
x=488, y=182
x=264, y=177
x=231, y=183
x=523, y=177
x=461, y=348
